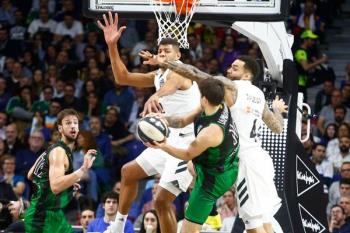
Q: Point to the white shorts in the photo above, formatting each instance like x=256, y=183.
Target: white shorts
x=256, y=192
x=174, y=174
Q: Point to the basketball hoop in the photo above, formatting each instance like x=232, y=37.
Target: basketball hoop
x=173, y=18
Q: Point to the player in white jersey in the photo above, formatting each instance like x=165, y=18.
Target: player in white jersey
x=175, y=95
x=255, y=189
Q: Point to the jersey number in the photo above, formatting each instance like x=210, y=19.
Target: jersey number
x=254, y=133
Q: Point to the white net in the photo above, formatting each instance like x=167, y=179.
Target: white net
x=174, y=17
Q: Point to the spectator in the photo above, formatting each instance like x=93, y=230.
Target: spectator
x=69, y=100
x=195, y=47
x=6, y=195
x=91, y=105
x=148, y=44
x=323, y=166
x=345, y=90
x=330, y=133
x=86, y=217
x=337, y=219
x=327, y=114
x=42, y=25
x=333, y=145
x=150, y=222
x=121, y=97
x=344, y=202
x=13, y=144
x=20, y=106
x=26, y=157
x=16, y=208
x=69, y=26
x=43, y=105
x=85, y=142
x=227, y=54
x=8, y=47
x=343, y=155
x=3, y=122
x=4, y=94
x=229, y=209
x=110, y=205
x=7, y=12
x=304, y=63
x=334, y=190
x=67, y=72
x=104, y=145
x=17, y=182
x=116, y=130
x=19, y=30
x=2, y=149
x=323, y=97
x=308, y=20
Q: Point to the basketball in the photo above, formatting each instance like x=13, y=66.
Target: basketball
x=151, y=129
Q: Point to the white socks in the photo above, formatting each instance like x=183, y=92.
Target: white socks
x=119, y=223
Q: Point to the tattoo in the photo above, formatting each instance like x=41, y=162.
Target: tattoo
x=273, y=120
x=175, y=122
x=188, y=71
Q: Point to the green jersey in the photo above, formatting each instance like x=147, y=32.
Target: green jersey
x=216, y=168
x=43, y=194
x=221, y=157
x=45, y=210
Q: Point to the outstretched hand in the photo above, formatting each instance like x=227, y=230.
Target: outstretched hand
x=152, y=105
x=110, y=28
x=149, y=58
x=89, y=159
x=279, y=105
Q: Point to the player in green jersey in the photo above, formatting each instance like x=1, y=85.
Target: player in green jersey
x=213, y=152
x=53, y=177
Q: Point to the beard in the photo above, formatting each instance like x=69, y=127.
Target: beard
x=344, y=149
x=339, y=119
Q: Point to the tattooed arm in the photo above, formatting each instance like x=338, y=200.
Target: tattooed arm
x=274, y=120
x=193, y=73
x=180, y=122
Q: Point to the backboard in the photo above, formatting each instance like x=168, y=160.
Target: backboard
x=218, y=10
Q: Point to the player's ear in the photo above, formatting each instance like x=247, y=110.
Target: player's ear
x=59, y=127
x=178, y=55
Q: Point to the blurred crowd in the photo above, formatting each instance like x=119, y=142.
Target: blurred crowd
x=51, y=58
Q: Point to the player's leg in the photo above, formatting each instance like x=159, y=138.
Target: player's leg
x=257, y=230
x=268, y=228
x=131, y=174
x=148, y=163
x=163, y=205
x=190, y=227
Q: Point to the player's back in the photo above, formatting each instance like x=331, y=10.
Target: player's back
x=179, y=103
x=247, y=114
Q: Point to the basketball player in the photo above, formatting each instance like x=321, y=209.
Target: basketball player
x=54, y=178
x=255, y=191
x=178, y=96
x=213, y=152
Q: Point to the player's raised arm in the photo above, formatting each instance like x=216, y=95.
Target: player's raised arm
x=274, y=120
x=122, y=76
x=57, y=160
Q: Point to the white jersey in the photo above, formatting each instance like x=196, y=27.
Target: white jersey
x=181, y=102
x=247, y=114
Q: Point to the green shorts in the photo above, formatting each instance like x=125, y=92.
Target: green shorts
x=41, y=221
x=207, y=189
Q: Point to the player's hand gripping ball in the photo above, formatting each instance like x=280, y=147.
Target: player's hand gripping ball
x=152, y=128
